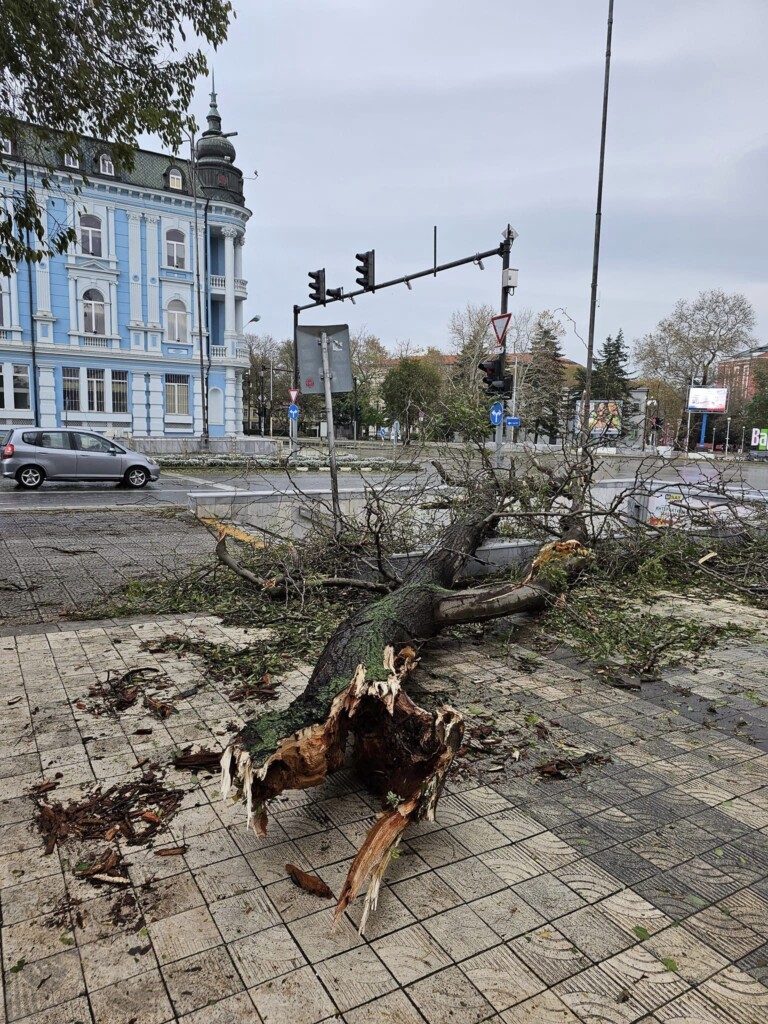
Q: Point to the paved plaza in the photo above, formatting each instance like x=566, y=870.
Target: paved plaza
x=636, y=890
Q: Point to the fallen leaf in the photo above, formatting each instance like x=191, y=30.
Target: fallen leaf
x=310, y=883
x=670, y=964
x=719, y=852
x=641, y=933
x=19, y=966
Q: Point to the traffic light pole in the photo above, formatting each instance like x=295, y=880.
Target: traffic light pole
x=505, y=249
x=293, y=425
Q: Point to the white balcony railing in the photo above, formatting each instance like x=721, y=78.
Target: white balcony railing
x=218, y=351
x=96, y=341
x=219, y=284
x=243, y=352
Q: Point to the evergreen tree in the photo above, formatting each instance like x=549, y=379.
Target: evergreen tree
x=610, y=379
x=542, y=391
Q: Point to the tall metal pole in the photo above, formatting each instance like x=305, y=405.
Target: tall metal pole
x=331, y=436
x=727, y=435
x=199, y=258
x=35, y=396
x=506, y=248
x=293, y=425
x=598, y=222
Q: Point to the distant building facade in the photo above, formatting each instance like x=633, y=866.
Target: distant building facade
x=108, y=336
x=738, y=374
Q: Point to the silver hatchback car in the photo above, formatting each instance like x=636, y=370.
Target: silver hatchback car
x=31, y=456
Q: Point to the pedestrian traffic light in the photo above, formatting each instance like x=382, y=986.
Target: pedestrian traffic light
x=657, y=422
x=317, y=285
x=493, y=375
x=366, y=270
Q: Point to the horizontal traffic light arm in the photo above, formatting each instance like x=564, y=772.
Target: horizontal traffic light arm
x=498, y=251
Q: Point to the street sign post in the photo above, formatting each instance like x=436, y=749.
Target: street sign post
x=293, y=411
x=512, y=421
x=496, y=414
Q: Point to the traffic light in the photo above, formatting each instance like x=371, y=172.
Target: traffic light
x=317, y=285
x=366, y=270
x=493, y=375
x=334, y=293
x=656, y=422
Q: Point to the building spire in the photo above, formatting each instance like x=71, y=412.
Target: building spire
x=214, y=117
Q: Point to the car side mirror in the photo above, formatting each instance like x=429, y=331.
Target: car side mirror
x=114, y=451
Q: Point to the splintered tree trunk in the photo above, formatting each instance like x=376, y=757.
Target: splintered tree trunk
x=401, y=750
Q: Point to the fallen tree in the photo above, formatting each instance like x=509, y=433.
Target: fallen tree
x=401, y=751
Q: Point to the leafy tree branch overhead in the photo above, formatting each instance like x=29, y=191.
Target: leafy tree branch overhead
x=103, y=68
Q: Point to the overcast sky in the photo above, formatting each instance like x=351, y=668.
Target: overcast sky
x=368, y=123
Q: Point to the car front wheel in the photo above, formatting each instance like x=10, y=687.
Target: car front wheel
x=30, y=477
x=137, y=477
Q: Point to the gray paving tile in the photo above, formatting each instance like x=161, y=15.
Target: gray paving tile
x=549, y=896
x=449, y=995
x=296, y=996
x=355, y=977
x=201, y=979
x=461, y=932
x=411, y=953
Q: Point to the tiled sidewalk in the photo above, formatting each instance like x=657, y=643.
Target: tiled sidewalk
x=637, y=891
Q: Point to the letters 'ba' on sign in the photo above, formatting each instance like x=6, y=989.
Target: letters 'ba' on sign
x=760, y=438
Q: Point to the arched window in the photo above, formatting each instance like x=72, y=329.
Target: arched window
x=90, y=234
x=94, y=312
x=105, y=164
x=175, y=179
x=175, y=248
x=177, y=321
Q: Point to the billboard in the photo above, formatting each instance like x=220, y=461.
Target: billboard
x=605, y=419
x=708, y=399
x=760, y=438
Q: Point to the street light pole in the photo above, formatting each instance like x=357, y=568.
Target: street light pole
x=727, y=435
x=586, y=398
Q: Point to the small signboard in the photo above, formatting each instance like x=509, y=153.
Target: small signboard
x=311, y=358
x=293, y=411
x=496, y=414
x=760, y=438
x=500, y=324
x=708, y=399
x=512, y=421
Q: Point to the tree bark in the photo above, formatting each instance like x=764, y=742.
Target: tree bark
x=401, y=750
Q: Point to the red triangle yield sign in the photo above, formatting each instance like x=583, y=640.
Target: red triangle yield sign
x=500, y=324
x=293, y=394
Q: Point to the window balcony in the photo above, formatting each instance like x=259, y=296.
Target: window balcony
x=218, y=351
x=96, y=341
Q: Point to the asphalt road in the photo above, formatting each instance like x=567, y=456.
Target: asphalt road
x=172, y=488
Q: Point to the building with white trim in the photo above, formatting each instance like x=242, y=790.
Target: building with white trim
x=108, y=336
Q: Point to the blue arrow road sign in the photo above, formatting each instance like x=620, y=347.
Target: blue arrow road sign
x=497, y=413
x=512, y=421
x=293, y=412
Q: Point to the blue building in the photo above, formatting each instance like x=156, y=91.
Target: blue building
x=109, y=335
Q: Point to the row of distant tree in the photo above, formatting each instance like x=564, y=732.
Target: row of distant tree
x=439, y=394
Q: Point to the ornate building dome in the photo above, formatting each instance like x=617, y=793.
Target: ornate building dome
x=215, y=159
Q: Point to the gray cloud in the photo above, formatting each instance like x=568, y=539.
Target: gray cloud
x=368, y=123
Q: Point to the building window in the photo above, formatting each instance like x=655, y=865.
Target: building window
x=175, y=180
x=21, y=387
x=94, y=312
x=177, y=322
x=72, y=160
x=175, y=248
x=177, y=394
x=119, y=391
x=90, y=234
x=70, y=376
x=105, y=164
x=5, y=147
x=95, y=380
